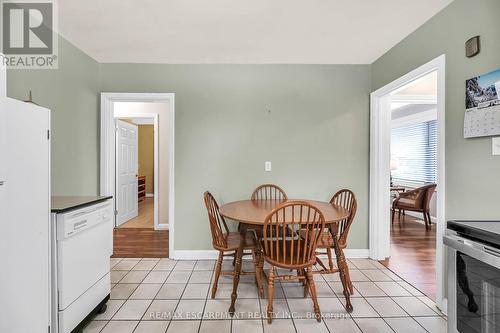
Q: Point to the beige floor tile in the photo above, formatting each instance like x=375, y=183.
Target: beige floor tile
x=185, y=265
x=247, y=308
x=120, y=327
x=156, y=277
x=368, y=289
x=414, y=291
x=405, y=325
x=279, y=326
x=433, y=324
x=356, y=275
x=301, y=307
x=184, y=326
x=217, y=309
x=134, y=277
x=280, y=308
x=116, y=276
x=344, y=325
x=331, y=307
x=125, y=265
x=161, y=310
x=189, y=309
x=196, y=291
x=201, y=276
x=146, y=291
x=132, y=310
x=165, y=265
x=430, y=303
x=361, y=308
x=392, y=288
x=152, y=327
x=363, y=263
x=247, y=326
x=171, y=291
x=94, y=326
x=123, y=290
x=310, y=326
x=392, y=275
x=144, y=265
x=179, y=277
x=386, y=307
x=373, y=325
x=112, y=307
x=204, y=265
x=215, y=326
x=376, y=275
x=414, y=307
x=338, y=289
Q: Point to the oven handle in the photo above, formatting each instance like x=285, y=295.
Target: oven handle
x=473, y=249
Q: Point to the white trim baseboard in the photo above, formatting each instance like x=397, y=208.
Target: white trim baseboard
x=213, y=254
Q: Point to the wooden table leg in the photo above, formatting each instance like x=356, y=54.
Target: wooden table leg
x=342, y=265
x=237, y=268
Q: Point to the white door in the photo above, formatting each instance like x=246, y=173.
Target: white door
x=24, y=217
x=126, y=171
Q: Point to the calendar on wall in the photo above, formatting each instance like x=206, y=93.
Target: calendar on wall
x=482, y=105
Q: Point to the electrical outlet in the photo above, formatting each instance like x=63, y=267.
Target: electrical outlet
x=267, y=166
x=495, y=145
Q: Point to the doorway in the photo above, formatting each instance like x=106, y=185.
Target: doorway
x=402, y=113
x=137, y=170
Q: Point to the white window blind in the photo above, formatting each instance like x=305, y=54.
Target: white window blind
x=414, y=153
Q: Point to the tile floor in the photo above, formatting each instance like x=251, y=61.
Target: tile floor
x=163, y=295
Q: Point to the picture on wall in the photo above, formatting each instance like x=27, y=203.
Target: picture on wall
x=482, y=105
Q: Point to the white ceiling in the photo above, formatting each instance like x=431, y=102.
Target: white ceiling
x=241, y=31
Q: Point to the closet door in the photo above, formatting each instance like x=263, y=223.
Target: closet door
x=24, y=217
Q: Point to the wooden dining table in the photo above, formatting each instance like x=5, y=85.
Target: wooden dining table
x=251, y=214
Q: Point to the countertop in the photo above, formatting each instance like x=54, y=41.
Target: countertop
x=63, y=204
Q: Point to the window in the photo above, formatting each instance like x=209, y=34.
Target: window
x=414, y=153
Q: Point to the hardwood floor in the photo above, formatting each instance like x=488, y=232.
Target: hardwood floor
x=413, y=254
x=140, y=243
x=145, y=218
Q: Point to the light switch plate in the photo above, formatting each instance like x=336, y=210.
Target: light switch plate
x=495, y=145
x=267, y=166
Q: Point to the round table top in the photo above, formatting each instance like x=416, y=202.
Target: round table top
x=256, y=211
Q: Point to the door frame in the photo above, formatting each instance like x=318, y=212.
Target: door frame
x=156, y=150
x=107, y=162
x=380, y=125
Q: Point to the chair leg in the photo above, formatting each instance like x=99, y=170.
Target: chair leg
x=393, y=215
x=330, y=260
x=314, y=295
x=270, y=289
x=429, y=219
x=306, y=284
x=258, y=276
x=218, y=268
x=234, y=258
x=399, y=216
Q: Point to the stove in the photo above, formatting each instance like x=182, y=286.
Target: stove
x=473, y=276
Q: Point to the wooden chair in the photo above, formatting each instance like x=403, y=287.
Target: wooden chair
x=269, y=192
x=291, y=252
x=416, y=200
x=346, y=199
x=225, y=241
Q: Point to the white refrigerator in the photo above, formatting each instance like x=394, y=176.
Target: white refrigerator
x=24, y=215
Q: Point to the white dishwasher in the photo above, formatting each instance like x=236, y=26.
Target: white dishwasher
x=81, y=272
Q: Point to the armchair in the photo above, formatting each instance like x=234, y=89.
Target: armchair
x=417, y=200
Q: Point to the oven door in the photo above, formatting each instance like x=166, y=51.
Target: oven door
x=473, y=286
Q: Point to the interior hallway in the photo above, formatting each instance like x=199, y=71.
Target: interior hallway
x=145, y=218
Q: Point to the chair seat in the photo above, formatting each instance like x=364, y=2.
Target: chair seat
x=325, y=241
x=407, y=203
x=285, y=260
x=233, y=240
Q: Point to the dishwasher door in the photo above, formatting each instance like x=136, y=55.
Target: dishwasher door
x=84, y=245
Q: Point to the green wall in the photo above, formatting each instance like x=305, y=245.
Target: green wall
x=71, y=92
x=472, y=180
x=316, y=134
